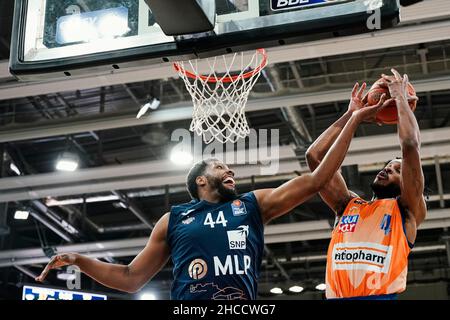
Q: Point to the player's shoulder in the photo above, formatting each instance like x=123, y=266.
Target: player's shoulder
x=182, y=207
x=359, y=200
x=247, y=197
x=348, y=203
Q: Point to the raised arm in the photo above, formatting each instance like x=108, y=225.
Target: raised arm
x=276, y=202
x=412, y=180
x=335, y=193
x=128, y=278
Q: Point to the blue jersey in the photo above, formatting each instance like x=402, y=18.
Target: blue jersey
x=216, y=249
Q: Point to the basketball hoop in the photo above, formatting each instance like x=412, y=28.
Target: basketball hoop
x=219, y=97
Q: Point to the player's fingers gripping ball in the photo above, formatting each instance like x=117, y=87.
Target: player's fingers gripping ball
x=388, y=115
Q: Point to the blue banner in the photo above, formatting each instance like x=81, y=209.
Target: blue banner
x=41, y=293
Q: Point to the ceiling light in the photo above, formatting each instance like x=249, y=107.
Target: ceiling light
x=147, y=296
x=276, y=290
x=143, y=110
x=53, y=202
x=321, y=286
x=67, y=161
x=14, y=168
x=21, y=215
x=120, y=204
x=181, y=157
x=152, y=104
x=296, y=289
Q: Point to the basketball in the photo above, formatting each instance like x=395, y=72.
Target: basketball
x=389, y=114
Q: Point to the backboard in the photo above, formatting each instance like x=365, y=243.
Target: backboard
x=69, y=38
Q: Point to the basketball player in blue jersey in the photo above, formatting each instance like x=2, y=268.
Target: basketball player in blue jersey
x=216, y=241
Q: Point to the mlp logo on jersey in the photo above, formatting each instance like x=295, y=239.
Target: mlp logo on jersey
x=348, y=223
x=238, y=208
x=292, y=4
x=237, y=239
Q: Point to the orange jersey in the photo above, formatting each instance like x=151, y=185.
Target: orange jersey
x=368, y=252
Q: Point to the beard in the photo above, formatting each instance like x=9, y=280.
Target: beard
x=225, y=193
x=384, y=192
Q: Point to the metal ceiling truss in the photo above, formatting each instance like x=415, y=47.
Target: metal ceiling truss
x=421, y=33
x=363, y=151
x=183, y=111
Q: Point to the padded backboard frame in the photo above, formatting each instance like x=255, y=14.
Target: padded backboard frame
x=184, y=17
x=256, y=27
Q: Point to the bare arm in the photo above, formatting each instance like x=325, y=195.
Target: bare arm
x=335, y=193
x=412, y=180
x=129, y=278
x=276, y=202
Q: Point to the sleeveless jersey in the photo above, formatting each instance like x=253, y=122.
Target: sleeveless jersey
x=216, y=249
x=368, y=252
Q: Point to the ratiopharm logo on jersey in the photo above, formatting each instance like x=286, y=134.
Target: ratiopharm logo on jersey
x=348, y=223
x=366, y=256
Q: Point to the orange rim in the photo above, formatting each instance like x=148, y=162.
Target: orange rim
x=228, y=79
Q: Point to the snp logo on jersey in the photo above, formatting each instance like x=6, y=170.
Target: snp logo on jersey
x=237, y=239
x=348, y=223
x=238, y=208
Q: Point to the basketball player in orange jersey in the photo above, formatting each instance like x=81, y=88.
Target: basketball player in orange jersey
x=368, y=253
x=216, y=241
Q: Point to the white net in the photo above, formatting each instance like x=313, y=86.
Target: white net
x=219, y=97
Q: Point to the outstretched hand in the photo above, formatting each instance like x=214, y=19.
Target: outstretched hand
x=369, y=113
x=398, y=86
x=56, y=262
x=357, y=100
